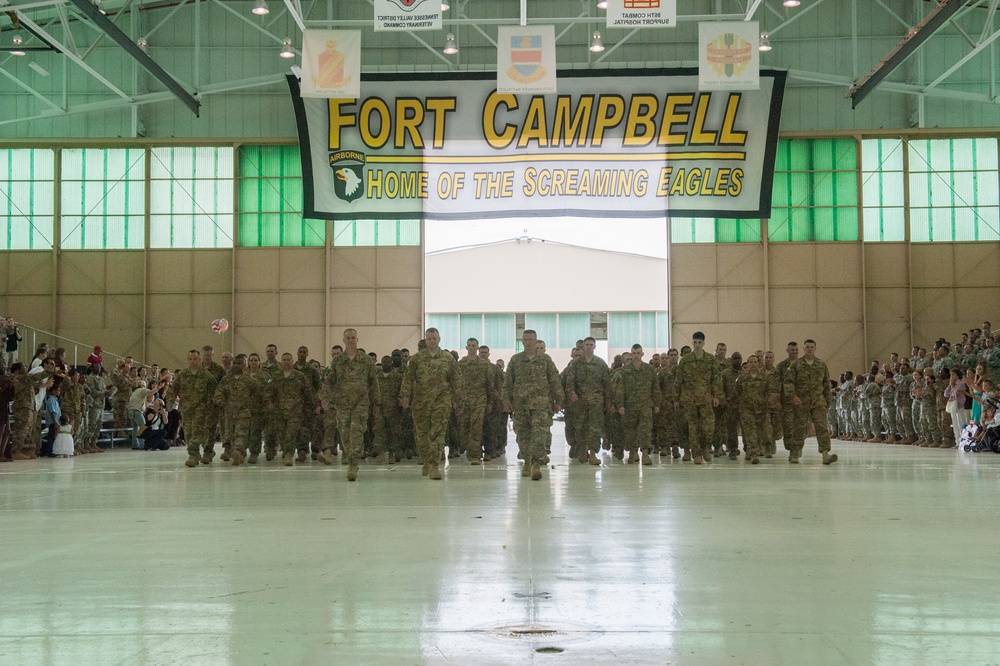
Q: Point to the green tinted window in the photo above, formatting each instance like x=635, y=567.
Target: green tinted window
x=714, y=230
x=815, y=194
x=380, y=233
x=191, y=197
x=103, y=198
x=270, y=206
x=27, y=195
x=883, y=189
x=954, y=190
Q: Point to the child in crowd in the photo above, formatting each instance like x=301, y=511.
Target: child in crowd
x=63, y=444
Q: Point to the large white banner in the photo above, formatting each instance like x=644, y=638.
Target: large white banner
x=407, y=15
x=642, y=13
x=614, y=143
x=526, y=59
x=728, y=58
x=331, y=63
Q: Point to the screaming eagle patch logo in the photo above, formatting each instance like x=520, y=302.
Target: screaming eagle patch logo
x=349, y=174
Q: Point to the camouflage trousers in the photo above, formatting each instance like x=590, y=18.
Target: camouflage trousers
x=331, y=433
x=638, y=425
x=875, y=419
x=588, y=420
x=388, y=426
x=430, y=427
x=755, y=425
x=199, y=430
x=287, y=429
x=240, y=427
x=889, y=421
x=701, y=428
x=352, y=422
x=470, y=426
x=533, y=427
x=24, y=426
x=905, y=419
x=929, y=429
x=804, y=414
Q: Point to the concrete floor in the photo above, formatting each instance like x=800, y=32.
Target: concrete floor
x=887, y=557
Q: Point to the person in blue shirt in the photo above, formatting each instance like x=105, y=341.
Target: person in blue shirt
x=51, y=413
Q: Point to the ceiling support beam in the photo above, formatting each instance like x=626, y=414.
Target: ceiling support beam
x=934, y=20
x=971, y=54
x=147, y=63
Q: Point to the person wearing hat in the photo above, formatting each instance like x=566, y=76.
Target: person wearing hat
x=96, y=356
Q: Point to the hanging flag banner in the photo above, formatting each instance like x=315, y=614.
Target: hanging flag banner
x=331, y=63
x=407, y=15
x=614, y=143
x=642, y=13
x=526, y=59
x=728, y=58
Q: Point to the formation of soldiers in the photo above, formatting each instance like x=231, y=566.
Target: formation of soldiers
x=903, y=401
x=687, y=404
x=691, y=405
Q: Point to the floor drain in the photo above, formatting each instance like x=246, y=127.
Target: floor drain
x=549, y=650
x=540, y=637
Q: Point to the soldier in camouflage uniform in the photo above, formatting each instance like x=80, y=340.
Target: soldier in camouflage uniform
x=807, y=381
x=637, y=397
x=615, y=425
x=195, y=387
x=71, y=404
x=873, y=395
x=240, y=396
x=756, y=392
x=291, y=391
x=272, y=368
x=588, y=384
x=431, y=384
x=889, y=394
x=213, y=413
x=731, y=410
x=774, y=426
x=122, y=391
x=846, y=399
x=351, y=386
x=225, y=424
x=532, y=391
x=388, y=422
x=23, y=412
x=310, y=415
x=477, y=398
x=669, y=418
x=258, y=420
x=495, y=428
x=97, y=392
x=721, y=432
x=569, y=424
x=944, y=418
x=699, y=391
x=787, y=410
x=904, y=404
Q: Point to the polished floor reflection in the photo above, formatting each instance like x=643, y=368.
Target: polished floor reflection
x=886, y=557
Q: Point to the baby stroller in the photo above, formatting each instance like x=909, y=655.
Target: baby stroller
x=971, y=437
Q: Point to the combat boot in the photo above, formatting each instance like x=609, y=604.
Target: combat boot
x=594, y=460
x=582, y=458
x=269, y=456
x=288, y=459
x=698, y=460
x=225, y=456
x=253, y=459
x=325, y=457
x=734, y=455
x=192, y=461
x=237, y=457
x=645, y=459
x=675, y=452
x=352, y=473
x=434, y=472
x=687, y=456
x=708, y=457
x=829, y=458
x=754, y=460
x=206, y=458
x=536, y=472
x=21, y=456
x=525, y=469
x=301, y=458
x=794, y=455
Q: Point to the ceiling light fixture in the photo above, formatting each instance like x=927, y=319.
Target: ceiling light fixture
x=445, y=6
x=602, y=4
x=260, y=8
x=100, y=6
x=142, y=43
x=792, y=3
x=17, y=41
x=765, y=42
x=596, y=45
x=450, y=45
x=286, y=49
